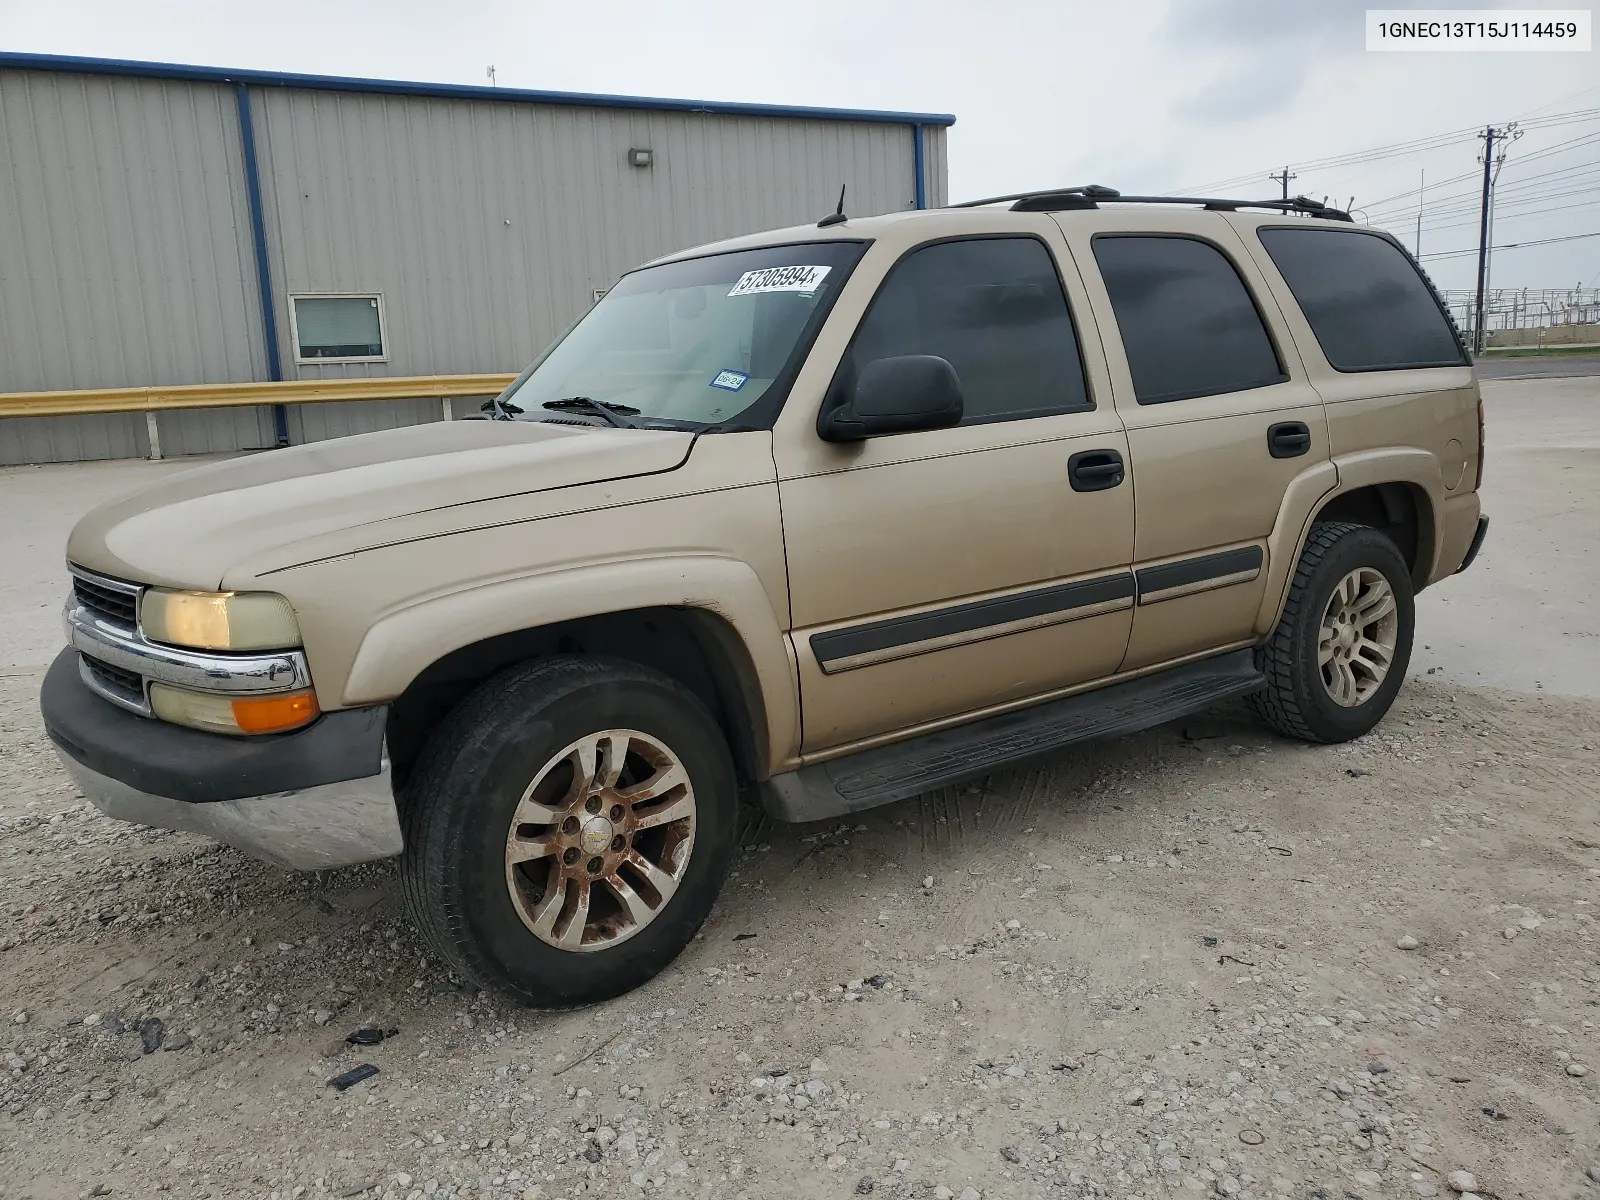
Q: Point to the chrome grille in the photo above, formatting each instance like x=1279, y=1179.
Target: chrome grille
x=129, y=685
x=116, y=662
x=109, y=598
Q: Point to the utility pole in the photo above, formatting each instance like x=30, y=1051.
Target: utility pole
x=1422, y=186
x=1488, y=135
x=1491, y=163
x=1283, y=179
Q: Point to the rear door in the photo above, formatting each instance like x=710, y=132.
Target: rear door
x=945, y=572
x=1219, y=414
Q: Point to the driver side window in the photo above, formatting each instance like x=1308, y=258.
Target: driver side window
x=995, y=310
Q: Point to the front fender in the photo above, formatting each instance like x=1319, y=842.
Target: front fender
x=402, y=644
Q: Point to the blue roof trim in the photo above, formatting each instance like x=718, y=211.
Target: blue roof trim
x=452, y=91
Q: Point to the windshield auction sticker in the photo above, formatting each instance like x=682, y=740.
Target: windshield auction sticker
x=780, y=279
x=1478, y=29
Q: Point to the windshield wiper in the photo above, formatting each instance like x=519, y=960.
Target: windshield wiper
x=610, y=413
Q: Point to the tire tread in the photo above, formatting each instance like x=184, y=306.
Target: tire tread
x=429, y=863
x=1279, y=704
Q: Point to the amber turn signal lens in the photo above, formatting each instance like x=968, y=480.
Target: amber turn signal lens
x=224, y=714
x=275, y=714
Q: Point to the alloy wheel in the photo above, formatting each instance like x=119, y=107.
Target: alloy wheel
x=1356, y=643
x=600, y=840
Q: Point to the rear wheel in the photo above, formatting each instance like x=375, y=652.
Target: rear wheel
x=568, y=827
x=1339, y=653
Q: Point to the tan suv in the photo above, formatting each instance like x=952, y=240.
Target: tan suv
x=833, y=515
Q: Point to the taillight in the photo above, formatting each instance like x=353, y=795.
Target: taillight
x=1478, y=483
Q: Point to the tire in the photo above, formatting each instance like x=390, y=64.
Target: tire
x=480, y=910
x=1299, y=701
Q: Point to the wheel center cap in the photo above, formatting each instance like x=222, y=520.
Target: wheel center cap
x=1347, y=636
x=596, y=835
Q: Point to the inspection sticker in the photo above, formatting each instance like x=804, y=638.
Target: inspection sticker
x=780, y=279
x=730, y=381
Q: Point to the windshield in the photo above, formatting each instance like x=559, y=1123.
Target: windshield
x=702, y=341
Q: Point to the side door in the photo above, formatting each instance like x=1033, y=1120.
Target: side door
x=940, y=573
x=1219, y=414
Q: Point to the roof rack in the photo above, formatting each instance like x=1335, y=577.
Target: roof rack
x=1088, y=196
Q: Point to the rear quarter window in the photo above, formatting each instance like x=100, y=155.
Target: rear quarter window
x=1369, y=307
x=1189, y=326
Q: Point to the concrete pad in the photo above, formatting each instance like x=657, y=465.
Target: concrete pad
x=38, y=508
x=1525, y=615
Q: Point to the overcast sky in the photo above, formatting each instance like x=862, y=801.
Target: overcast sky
x=1139, y=94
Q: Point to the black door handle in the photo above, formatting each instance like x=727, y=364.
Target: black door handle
x=1288, y=439
x=1094, y=470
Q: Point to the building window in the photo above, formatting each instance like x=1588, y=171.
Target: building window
x=341, y=328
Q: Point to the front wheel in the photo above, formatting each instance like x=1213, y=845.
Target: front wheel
x=1339, y=653
x=568, y=827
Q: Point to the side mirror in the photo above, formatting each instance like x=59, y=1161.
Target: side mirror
x=896, y=395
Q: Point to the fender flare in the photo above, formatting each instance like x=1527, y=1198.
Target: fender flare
x=1309, y=492
x=402, y=644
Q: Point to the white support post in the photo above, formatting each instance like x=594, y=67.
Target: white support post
x=447, y=408
x=155, y=434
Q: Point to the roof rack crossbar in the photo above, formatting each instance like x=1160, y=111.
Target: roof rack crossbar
x=1088, y=191
x=1063, y=199
x=1295, y=204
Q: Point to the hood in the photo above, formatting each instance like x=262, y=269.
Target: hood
x=186, y=531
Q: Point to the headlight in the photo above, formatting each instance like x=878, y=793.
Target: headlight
x=219, y=620
x=233, y=714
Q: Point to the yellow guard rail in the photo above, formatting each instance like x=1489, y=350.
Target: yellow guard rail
x=231, y=395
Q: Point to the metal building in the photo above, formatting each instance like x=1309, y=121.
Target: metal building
x=167, y=225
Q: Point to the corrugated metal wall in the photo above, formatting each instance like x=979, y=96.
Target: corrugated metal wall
x=487, y=227
x=126, y=255
x=935, y=165
x=124, y=235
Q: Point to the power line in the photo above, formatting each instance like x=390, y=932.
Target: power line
x=1507, y=198
x=1538, y=212
x=1512, y=206
x=1546, y=152
x=1562, y=100
x=1513, y=245
x=1511, y=211
x=1413, y=146
x=1339, y=160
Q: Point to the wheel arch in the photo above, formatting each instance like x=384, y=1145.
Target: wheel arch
x=698, y=649
x=705, y=621
x=1396, y=490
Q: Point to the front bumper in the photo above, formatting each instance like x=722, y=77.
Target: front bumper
x=318, y=797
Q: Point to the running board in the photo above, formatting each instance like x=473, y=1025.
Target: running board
x=899, y=771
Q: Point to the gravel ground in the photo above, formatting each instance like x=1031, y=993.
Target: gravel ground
x=1198, y=961
x=1172, y=965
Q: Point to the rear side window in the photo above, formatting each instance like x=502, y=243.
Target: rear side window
x=1365, y=301
x=994, y=309
x=1188, y=325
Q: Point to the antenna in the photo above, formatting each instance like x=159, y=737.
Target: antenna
x=490, y=73
x=836, y=217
